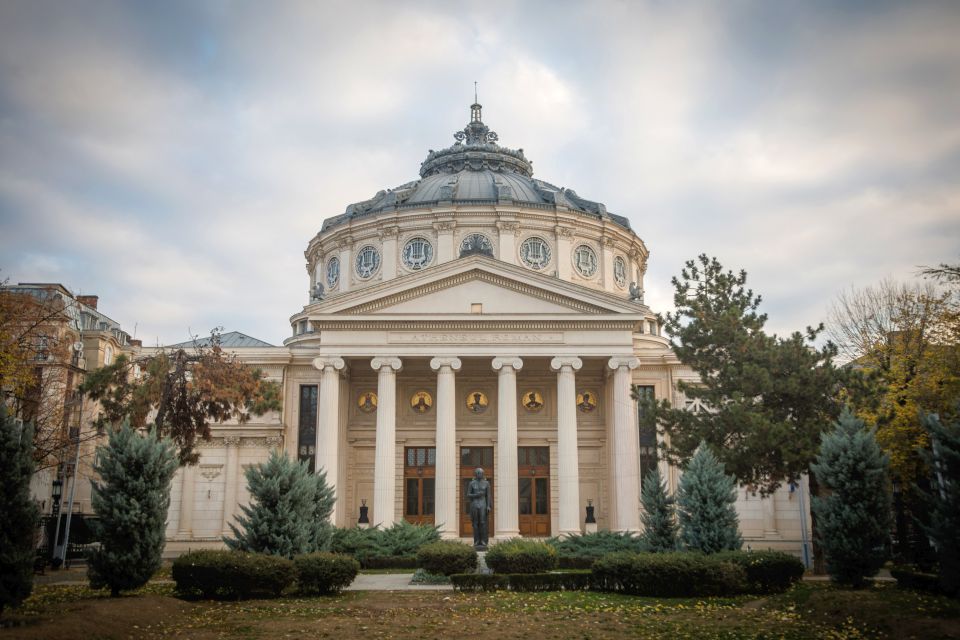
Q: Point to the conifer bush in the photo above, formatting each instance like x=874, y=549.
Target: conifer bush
x=289, y=509
x=325, y=572
x=131, y=499
x=589, y=546
x=521, y=556
x=659, y=515
x=708, y=520
x=394, y=546
x=944, y=498
x=446, y=558
x=18, y=513
x=853, y=519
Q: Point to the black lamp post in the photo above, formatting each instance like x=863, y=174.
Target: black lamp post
x=55, y=496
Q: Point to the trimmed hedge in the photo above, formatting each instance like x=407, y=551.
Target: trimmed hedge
x=446, y=558
x=767, y=571
x=232, y=574
x=668, y=575
x=571, y=581
x=521, y=556
x=325, y=572
x=910, y=577
x=575, y=562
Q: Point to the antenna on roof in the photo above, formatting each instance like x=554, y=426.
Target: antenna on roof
x=475, y=91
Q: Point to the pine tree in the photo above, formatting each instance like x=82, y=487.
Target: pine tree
x=289, y=511
x=854, y=519
x=658, y=517
x=944, y=529
x=708, y=521
x=18, y=513
x=131, y=499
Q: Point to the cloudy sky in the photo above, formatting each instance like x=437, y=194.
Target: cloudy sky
x=176, y=157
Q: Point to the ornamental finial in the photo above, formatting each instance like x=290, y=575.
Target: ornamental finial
x=475, y=133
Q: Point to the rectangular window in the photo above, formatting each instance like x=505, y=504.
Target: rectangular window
x=307, y=431
x=648, y=429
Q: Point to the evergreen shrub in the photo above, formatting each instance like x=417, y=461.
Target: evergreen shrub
x=232, y=574
x=18, y=513
x=583, y=549
x=131, y=498
x=944, y=498
x=853, y=519
x=289, y=509
x=446, y=558
x=325, y=572
x=521, y=556
x=708, y=519
x=668, y=575
x=767, y=571
x=659, y=516
x=378, y=548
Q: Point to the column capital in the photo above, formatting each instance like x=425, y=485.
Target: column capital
x=231, y=441
x=438, y=363
x=323, y=362
x=623, y=361
x=507, y=361
x=560, y=362
x=380, y=362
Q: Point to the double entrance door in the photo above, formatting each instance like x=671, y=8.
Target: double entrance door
x=533, y=471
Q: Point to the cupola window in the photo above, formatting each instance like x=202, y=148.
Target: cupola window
x=333, y=272
x=417, y=253
x=368, y=261
x=535, y=253
x=585, y=260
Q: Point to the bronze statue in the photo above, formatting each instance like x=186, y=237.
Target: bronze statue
x=478, y=493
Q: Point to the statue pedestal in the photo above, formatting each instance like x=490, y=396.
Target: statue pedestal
x=590, y=527
x=482, y=563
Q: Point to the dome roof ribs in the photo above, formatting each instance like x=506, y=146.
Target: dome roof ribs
x=475, y=170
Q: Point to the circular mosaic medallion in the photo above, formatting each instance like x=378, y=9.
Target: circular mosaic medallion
x=368, y=261
x=333, y=272
x=532, y=401
x=585, y=261
x=417, y=253
x=620, y=271
x=421, y=401
x=477, y=401
x=535, y=253
x=367, y=402
x=586, y=401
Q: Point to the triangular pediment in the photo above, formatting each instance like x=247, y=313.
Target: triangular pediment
x=453, y=287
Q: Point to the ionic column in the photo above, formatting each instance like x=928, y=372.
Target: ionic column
x=328, y=420
x=445, y=497
x=384, y=472
x=232, y=444
x=508, y=525
x=625, y=474
x=185, y=527
x=568, y=461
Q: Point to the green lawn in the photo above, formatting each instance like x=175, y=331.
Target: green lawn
x=810, y=610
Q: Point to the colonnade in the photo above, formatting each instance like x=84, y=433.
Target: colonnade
x=624, y=475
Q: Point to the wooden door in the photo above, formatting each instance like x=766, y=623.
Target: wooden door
x=533, y=466
x=419, y=484
x=470, y=459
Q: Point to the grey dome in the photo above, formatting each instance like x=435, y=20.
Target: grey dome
x=475, y=170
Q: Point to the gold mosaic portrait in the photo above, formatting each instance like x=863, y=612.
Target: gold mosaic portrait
x=367, y=402
x=421, y=401
x=477, y=402
x=586, y=401
x=532, y=401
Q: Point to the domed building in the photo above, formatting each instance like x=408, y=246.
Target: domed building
x=475, y=317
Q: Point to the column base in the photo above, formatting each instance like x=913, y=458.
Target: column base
x=569, y=532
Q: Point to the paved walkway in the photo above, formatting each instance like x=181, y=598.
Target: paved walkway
x=392, y=582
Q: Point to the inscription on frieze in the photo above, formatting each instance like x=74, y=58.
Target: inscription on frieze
x=411, y=337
